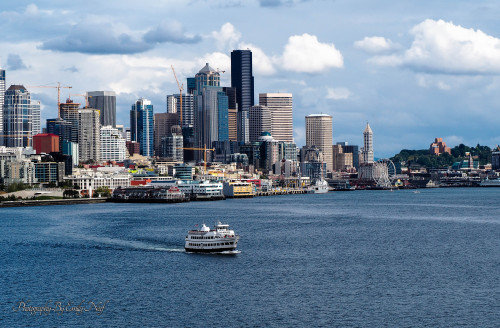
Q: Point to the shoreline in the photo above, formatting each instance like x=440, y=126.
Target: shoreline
x=69, y=201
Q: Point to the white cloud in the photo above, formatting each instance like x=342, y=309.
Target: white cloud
x=262, y=64
x=227, y=37
x=375, y=44
x=426, y=81
x=442, y=47
x=304, y=53
x=453, y=140
x=338, y=93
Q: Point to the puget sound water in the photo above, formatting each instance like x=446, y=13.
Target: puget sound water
x=342, y=259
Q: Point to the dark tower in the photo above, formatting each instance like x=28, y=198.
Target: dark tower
x=242, y=79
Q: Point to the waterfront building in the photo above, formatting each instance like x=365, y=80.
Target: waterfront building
x=260, y=121
x=2, y=94
x=183, y=172
x=113, y=145
x=46, y=143
x=142, y=127
x=439, y=147
x=19, y=171
x=47, y=172
x=89, y=132
x=280, y=106
x=163, y=122
x=90, y=180
x=105, y=102
x=19, y=113
x=495, y=158
x=238, y=189
x=319, y=133
x=368, y=156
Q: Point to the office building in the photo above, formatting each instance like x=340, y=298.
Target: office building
x=113, y=147
x=174, y=106
x=105, y=102
x=243, y=81
x=46, y=143
x=280, y=106
x=18, y=116
x=260, y=122
x=89, y=135
x=351, y=149
x=61, y=128
x=171, y=145
x=319, y=133
x=206, y=77
x=163, y=122
x=69, y=113
x=142, y=127
x=232, y=109
x=341, y=161
x=368, y=156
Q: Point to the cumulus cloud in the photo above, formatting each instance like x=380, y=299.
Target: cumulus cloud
x=445, y=48
x=262, y=64
x=304, y=53
x=338, y=93
x=170, y=32
x=96, y=38
x=15, y=62
x=227, y=37
x=375, y=44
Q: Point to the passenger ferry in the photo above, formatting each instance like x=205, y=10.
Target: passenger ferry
x=206, y=240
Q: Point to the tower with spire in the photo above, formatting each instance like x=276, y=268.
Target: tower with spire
x=368, y=145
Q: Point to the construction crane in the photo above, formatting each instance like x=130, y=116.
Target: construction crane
x=58, y=87
x=181, y=88
x=84, y=96
x=205, y=150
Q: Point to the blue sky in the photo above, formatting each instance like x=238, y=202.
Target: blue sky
x=415, y=70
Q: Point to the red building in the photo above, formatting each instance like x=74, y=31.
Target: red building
x=46, y=143
x=133, y=147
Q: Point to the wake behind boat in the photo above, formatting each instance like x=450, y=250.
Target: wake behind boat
x=206, y=240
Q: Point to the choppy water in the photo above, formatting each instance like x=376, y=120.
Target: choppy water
x=360, y=259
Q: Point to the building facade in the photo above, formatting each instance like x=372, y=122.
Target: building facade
x=280, y=106
x=163, y=122
x=89, y=133
x=105, y=102
x=142, y=127
x=46, y=143
x=368, y=156
x=18, y=117
x=319, y=133
x=2, y=94
x=260, y=121
x=113, y=145
x=243, y=81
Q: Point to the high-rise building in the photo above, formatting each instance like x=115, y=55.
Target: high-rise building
x=171, y=145
x=222, y=117
x=35, y=117
x=319, y=134
x=260, y=122
x=61, y=128
x=18, y=117
x=171, y=104
x=280, y=105
x=187, y=108
x=206, y=77
x=206, y=120
x=2, y=93
x=368, y=156
x=89, y=135
x=105, y=102
x=163, y=123
x=232, y=108
x=69, y=113
x=113, y=147
x=141, y=125
x=242, y=79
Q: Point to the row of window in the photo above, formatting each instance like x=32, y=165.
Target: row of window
x=213, y=244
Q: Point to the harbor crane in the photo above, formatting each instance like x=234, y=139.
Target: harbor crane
x=181, y=88
x=205, y=150
x=58, y=87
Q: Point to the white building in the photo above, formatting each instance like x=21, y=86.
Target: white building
x=113, y=145
x=319, y=133
x=368, y=157
x=280, y=106
x=90, y=180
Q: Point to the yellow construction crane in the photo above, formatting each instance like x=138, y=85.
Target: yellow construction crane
x=205, y=150
x=84, y=96
x=181, y=88
x=58, y=87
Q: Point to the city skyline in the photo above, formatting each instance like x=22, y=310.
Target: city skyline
x=379, y=64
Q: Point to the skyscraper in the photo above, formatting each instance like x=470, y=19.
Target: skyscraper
x=18, y=117
x=232, y=109
x=243, y=80
x=319, y=134
x=2, y=93
x=89, y=135
x=113, y=146
x=280, y=105
x=141, y=125
x=163, y=123
x=260, y=122
x=368, y=145
x=105, y=102
x=69, y=113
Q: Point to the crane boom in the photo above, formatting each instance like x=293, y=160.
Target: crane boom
x=58, y=87
x=181, y=88
x=205, y=150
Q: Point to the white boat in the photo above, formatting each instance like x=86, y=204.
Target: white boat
x=206, y=240
x=490, y=183
x=319, y=187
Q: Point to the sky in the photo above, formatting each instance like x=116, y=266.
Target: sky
x=415, y=70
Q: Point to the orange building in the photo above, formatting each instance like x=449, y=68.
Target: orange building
x=46, y=143
x=439, y=147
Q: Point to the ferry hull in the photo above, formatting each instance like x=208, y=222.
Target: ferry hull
x=208, y=250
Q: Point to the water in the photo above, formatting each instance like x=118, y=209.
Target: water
x=360, y=259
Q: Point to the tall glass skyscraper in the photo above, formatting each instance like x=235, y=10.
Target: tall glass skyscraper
x=141, y=125
x=18, y=117
x=243, y=80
